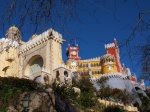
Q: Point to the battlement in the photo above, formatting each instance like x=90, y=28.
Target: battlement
x=91, y=59
x=39, y=39
x=110, y=45
x=109, y=76
x=9, y=42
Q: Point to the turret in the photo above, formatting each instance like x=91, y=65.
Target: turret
x=72, y=52
x=112, y=48
x=108, y=64
x=13, y=33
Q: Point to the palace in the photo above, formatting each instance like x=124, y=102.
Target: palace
x=38, y=59
x=96, y=67
x=108, y=67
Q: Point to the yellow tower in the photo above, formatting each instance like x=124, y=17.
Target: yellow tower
x=108, y=64
x=13, y=33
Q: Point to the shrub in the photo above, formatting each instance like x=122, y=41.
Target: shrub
x=65, y=92
x=86, y=100
x=11, y=88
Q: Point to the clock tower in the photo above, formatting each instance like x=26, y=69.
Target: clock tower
x=72, y=52
x=113, y=48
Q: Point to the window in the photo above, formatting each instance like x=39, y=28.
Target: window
x=65, y=73
x=86, y=65
x=83, y=65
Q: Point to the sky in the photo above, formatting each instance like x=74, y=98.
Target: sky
x=98, y=24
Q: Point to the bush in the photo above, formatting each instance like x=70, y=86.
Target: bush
x=145, y=107
x=11, y=88
x=86, y=100
x=23, y=84
x=64, y=91
x=85, y=85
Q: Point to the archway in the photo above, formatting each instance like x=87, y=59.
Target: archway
x=34, y=68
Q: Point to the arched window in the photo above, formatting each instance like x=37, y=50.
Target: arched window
x=96, y=64
x=65, y=73
x=107, y=60
x=91, y=65
x=99, y=64
x=83, y=65
x=95, y=72
x=92, y=72
x=86, y=65
x=57, y=76
x=36, y=66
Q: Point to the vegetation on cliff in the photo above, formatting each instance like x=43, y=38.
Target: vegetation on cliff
x=11, y=88
x=66, y=99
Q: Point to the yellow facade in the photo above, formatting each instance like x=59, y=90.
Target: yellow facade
x=93, y=68
x=8, y=60
x=108, y=64
x=37, y=59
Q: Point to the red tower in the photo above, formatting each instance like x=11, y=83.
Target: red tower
x=112, y=48
x=72, y=52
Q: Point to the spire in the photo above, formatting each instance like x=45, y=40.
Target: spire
x=115, y=42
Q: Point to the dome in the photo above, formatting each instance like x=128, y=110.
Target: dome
x=13, y=33
x=13, y=27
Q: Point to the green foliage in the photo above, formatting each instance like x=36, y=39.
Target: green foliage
x=102, y=81
x=85, y=85
x=86, y=100
x=11, y=88
x=116, y=94
x=145, y=107
x=65, y=91
x=23, y=84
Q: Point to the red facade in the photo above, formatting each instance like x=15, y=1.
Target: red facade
x=72, y=52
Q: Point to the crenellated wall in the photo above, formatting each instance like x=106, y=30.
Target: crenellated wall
x=35, y=59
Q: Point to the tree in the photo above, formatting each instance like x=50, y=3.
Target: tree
x=145, y=59
x=39, y=12
x=142, y=26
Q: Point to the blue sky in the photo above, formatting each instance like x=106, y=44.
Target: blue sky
x=97, y=24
